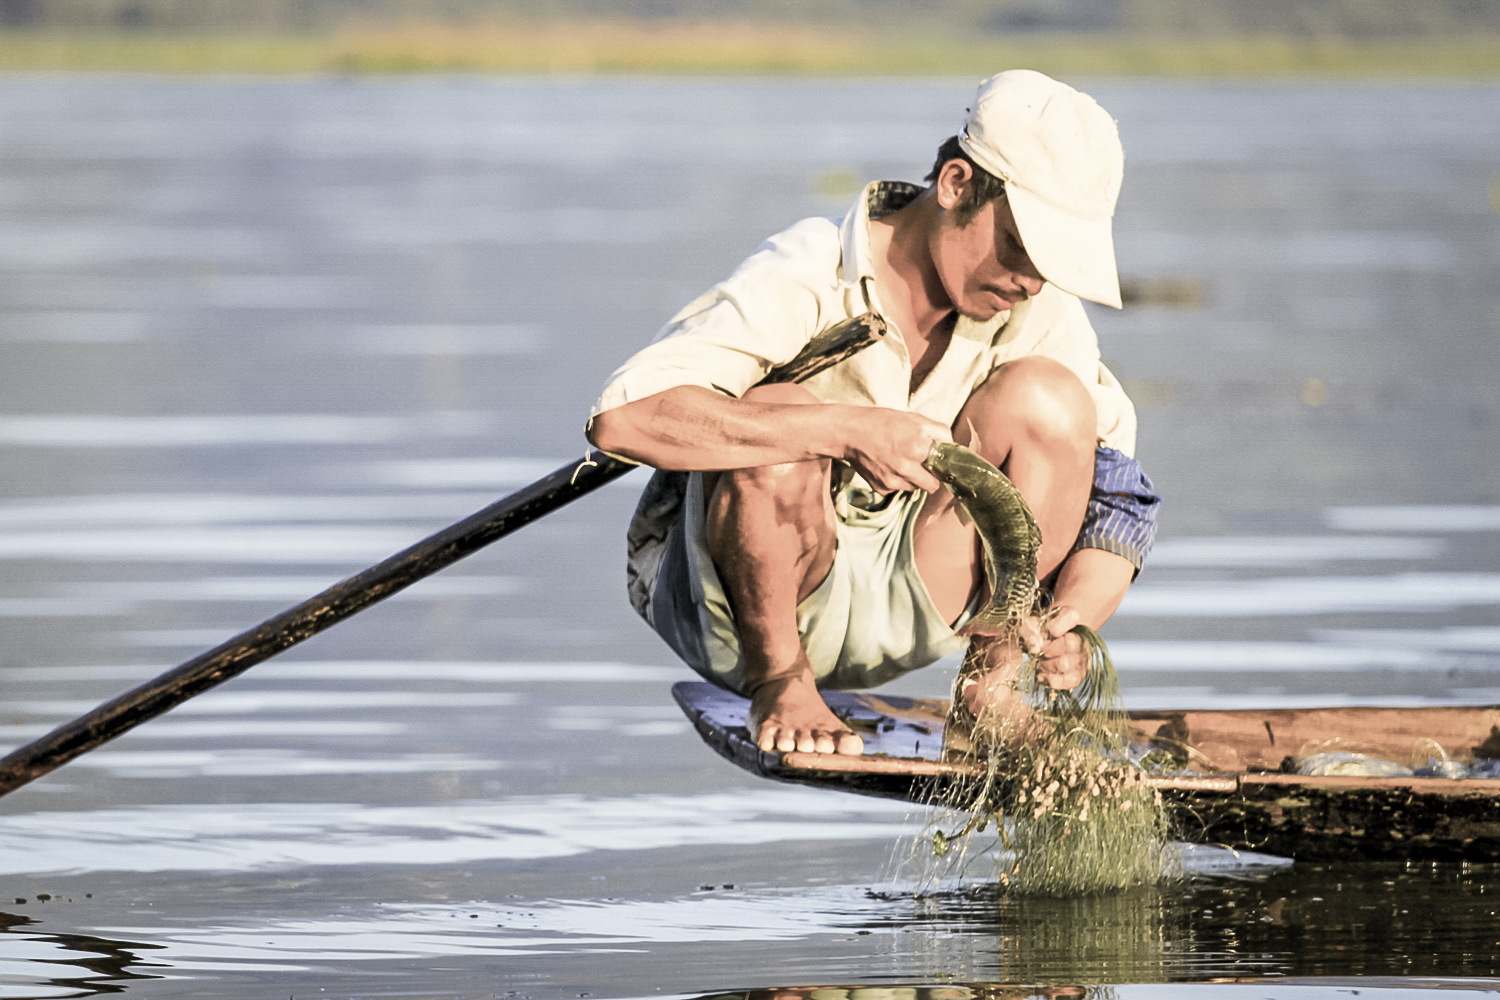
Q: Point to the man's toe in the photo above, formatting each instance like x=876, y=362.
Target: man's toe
x=851, y=744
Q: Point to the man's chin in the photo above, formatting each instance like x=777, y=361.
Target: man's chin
x=991, y=302
x=985, y=313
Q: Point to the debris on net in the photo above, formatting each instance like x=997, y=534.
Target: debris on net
x=1074, y=814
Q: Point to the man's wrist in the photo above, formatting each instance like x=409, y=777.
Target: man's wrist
x=831, y=430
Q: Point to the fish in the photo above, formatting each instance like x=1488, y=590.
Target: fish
x=1008, y=532
x=1047, y=765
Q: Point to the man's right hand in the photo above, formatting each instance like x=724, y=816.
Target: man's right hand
x=887, y=447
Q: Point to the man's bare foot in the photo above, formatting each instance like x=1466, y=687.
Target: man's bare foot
x=989, y=684
x=789, y=714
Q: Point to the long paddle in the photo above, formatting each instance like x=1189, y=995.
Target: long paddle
x=234, y=657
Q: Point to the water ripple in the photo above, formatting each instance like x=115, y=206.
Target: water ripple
x=250, y=837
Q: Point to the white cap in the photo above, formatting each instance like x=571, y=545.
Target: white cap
x=1059, y=155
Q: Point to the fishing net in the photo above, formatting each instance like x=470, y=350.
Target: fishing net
x=1071, y=812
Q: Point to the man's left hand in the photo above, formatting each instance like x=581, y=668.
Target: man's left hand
x=1062, y=662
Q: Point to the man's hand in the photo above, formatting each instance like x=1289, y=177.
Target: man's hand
x=1062, y=662
x=995, y=664
x=887, y=447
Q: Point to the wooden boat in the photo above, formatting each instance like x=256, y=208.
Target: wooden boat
x=1233, y=791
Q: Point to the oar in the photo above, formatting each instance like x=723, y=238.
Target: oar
x=234, y=657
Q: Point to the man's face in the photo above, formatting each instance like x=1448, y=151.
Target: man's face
x=983, y=266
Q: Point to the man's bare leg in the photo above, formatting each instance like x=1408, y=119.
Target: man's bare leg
x=772, y=535
x=1035, y=421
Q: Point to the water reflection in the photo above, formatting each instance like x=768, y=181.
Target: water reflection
x=1407, y=927
x=1311, y=920
x=1248, y=989
x=43, y=965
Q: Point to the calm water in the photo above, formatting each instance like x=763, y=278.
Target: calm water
x=255, y=336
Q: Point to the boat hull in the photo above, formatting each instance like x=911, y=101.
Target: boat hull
x=1250, y=805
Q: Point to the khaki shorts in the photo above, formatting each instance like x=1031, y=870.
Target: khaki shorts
x=870, y=620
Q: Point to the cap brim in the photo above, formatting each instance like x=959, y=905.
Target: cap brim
x=1077, y=255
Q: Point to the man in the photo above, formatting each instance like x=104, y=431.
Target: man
x=809, y=547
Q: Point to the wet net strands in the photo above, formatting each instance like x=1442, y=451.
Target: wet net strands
x=1070, y=812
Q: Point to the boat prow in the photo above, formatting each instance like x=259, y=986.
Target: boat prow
x=1232, y=791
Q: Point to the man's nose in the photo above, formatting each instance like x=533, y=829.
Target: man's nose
x=1032, y=282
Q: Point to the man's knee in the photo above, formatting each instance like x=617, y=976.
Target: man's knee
x=786, y=507
x=787, y=483
x=1042, y=395
x=793, y=493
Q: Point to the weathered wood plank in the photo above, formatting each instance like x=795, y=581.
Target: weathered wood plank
x=1264, y=810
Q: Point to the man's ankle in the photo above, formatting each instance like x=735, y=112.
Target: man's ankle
x=781, y=679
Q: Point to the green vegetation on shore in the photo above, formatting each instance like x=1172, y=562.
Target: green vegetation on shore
x=720, y=48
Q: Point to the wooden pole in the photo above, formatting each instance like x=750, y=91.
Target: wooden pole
x=232, y=658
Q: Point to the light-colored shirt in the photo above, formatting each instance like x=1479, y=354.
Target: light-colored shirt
x=819, y=273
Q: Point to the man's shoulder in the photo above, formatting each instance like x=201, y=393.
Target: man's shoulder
x=792, y=273
x=811, y=244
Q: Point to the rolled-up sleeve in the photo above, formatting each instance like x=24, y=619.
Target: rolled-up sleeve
x=1122, y=509
x=731, y=336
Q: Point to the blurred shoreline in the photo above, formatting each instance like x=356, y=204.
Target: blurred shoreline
x=714, y=47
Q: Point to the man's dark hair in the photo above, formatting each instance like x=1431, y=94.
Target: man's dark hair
x=982, y=189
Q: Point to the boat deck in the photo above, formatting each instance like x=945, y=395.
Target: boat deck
x=1232, y=791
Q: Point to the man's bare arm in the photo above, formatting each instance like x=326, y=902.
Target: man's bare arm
x=696, y=429
x=1091, y=583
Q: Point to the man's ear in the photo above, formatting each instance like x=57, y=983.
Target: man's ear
x=952, y=180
